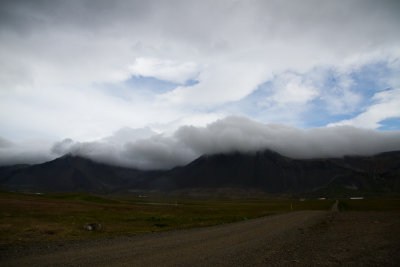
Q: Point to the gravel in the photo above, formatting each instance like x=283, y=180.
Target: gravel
x=303, y=238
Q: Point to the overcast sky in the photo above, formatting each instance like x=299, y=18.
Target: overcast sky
x=101, y=75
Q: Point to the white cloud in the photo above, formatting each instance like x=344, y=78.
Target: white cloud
x=339, y=98
x=292, y=89
x=219, y=84
x=386, y=105
x=342, y=101
x=167, y=70
x=190, y=119
x=53, y=54
x=243, y=135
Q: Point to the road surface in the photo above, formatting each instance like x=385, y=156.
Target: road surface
x=301, y=238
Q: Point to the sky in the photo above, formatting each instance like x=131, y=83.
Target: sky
x=142, y=83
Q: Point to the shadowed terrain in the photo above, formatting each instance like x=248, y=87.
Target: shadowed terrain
x=298, y=238
x=265, y=171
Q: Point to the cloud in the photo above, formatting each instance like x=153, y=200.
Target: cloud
x=57, y=57
x=130, y=147
x=126, y=134
x=158, y=152
x=386, y=105
x=56, y=54
x=109, y=150
x=339, y=96
x=154, y=152
x=167, y=70
x=26, y=152
x=292, y=90
x=4, y=143
x=243, y=135
x=215, y=81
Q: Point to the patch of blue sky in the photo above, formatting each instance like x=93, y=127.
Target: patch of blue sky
x=114, y=90
x=252, y=106
x=154, y=85
x=190, y=82
x=150, y=84
x=365, y=81
x=391, y=124
x=140, y=85
x=372, y=78
x=316, y=115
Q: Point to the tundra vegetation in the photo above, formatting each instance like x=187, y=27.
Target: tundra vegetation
x=29, y=218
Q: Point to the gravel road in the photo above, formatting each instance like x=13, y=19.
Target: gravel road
x=303, y=238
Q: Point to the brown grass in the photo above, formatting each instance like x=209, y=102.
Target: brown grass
x=27, y=218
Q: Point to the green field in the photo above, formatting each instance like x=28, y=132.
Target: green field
x=26, y=218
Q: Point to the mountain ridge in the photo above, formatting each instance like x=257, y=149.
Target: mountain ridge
x=266, y=170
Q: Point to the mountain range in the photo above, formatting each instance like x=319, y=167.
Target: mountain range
x=265, y=171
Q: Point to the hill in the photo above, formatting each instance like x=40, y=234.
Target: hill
x=266, y=171
x=70, y=174
x=274, y=173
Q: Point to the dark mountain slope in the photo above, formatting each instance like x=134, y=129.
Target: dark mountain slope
x=267, y=171
x=379, y=173
x=274, y=173
x=70, y=173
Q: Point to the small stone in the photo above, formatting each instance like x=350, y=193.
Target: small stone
x=92, y=226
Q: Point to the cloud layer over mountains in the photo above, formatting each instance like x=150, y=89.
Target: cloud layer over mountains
x=145, y=149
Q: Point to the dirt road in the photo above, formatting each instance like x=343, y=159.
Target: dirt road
x=297, y=238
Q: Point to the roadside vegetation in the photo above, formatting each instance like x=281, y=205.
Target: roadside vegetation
x=28, y=218
x=370, y=204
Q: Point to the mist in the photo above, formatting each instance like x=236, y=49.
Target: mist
x=146, y=149
x=27, y=152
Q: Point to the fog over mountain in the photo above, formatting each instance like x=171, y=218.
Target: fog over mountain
x=146, y=149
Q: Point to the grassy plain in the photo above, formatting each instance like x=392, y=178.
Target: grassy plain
x=28, y=218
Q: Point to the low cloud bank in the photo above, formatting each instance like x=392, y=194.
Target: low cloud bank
x=145, y=149
x=28, y=152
